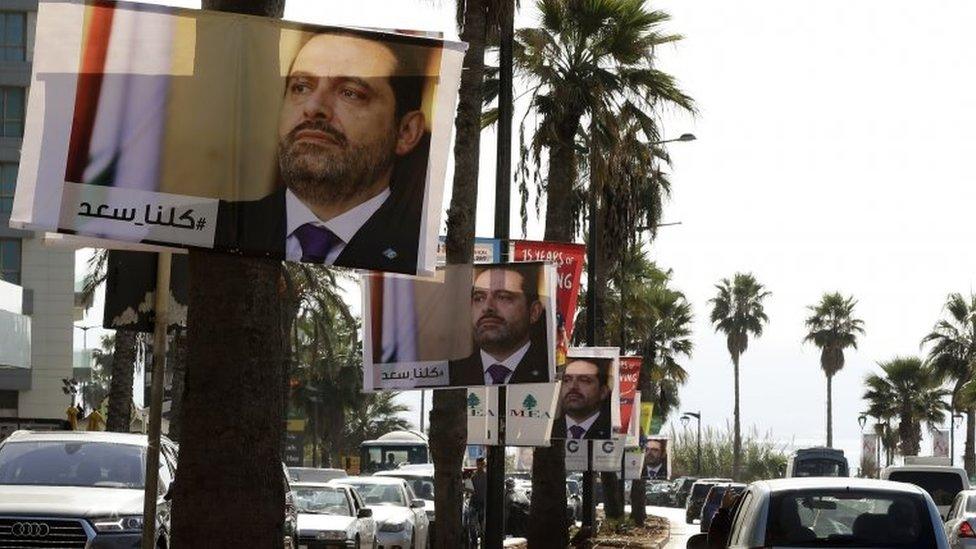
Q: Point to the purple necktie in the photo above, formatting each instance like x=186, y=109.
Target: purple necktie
x=316, y=242
x=498, y=373
x=576, y=431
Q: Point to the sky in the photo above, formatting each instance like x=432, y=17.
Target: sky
x=833, y=153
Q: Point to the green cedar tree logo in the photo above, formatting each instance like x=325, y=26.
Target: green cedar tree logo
x=473, y=400
x=530, y=402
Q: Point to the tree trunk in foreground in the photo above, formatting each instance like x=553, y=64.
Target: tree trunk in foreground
x=231, y=486
x=737, y=432
x=448, y=416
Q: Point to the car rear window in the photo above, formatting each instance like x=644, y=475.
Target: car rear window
x=715, y=495
x=848, y=518
x=943, y=487
x=699, y=491
x=820, y=467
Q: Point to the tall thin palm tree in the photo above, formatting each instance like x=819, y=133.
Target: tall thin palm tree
x=952, y=355
x=737, y=311
x=912, y=393
x=832, y=327
x=587, y=59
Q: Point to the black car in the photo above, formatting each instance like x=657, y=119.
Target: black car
x=682, y=487
x=696, y=498
x=658, y=493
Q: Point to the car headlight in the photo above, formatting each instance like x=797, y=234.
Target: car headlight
x=330, y=535
x=118, y=524
x=393, y=526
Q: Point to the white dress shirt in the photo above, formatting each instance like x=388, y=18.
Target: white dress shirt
x=511, y=363
x=344, y=225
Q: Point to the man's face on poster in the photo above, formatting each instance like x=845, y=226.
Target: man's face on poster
x=654, y=453
x=338, y=130
x=582, y=393
x=501, y=312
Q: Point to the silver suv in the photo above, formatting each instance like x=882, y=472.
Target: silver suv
x=79, y=489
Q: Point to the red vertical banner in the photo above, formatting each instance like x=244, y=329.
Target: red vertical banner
x=629, y=377
x=568, y=259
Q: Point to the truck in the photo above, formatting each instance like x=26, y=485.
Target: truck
x=817, y=462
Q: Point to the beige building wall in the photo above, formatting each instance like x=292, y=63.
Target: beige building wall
x=49, y=274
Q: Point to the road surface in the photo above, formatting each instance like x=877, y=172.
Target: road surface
x=680, y=532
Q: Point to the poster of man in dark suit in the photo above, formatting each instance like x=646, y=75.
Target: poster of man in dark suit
x=585, y=400
x=656, y=459
x=508, y=322
x=352, y=154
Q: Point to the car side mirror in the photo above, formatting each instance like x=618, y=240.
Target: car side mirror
x=698, y=541
x=364, y=513
x=417, y=504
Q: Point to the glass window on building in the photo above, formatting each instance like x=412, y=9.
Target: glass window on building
x=10, y=260
x=8, y=180
x=12, y=111
x=13, y=36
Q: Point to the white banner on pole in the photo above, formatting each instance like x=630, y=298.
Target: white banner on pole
x=530, y=411
x=633, y=462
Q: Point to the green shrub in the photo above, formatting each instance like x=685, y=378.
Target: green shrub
x=761, y=457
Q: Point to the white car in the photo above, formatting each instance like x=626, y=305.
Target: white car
x=401, y=520
x=421, y=480
x=942, y=482
x=832, y=512
x=960, y=523
x=332, y=515
x=82, y=489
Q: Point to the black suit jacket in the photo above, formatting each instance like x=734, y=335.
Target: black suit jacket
x=600, y=430
x=388, y=241
x=533, y=368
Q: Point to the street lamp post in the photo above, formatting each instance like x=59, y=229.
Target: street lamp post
x=952, y=436
x=684, y=420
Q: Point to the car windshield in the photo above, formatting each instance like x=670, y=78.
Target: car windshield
x=971, y=504
x=379, y=494
x=819, y=467
x=60, y=463
x=943, y=487
x=848, y=518
x=423, y=487
x=321, y=500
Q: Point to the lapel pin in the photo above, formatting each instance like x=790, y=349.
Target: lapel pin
x=390, y=253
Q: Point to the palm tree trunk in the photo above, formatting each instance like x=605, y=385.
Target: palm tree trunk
x=830, y=415
x=737, y=437
x=178, y=364
x=448, y=420
x=233, y=407
x=120, y=389
x=562, y=177
x=969, y=458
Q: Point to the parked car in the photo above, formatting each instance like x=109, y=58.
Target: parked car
x=833, y=512
x=86, y=488
x=714, y=500
x=817, y=462
x=696, y=497
x=332, y=516
x=942, y=482
x=291, y=513
x=314, y=474
x=960, y=523
x=658, y=493
x=401, y=520
x=682, y=487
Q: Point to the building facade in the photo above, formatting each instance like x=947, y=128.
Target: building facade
x=44, y=274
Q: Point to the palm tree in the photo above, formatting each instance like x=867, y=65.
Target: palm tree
x=587, y=58
x=953, y=357
x=910, y=392
x=737, y=311
x=833, y=328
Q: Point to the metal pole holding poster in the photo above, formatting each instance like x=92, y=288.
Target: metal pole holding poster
x=495, y=504
x=163, y=264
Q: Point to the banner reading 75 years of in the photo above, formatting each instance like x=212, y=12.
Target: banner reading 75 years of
x=240, y=134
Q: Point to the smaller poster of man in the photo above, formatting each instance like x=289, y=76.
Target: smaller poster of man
x=656, y=459
x=588, y=399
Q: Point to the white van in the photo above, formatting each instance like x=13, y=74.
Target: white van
x=940, y=481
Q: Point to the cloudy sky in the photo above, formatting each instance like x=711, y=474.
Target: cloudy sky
x=833, y=154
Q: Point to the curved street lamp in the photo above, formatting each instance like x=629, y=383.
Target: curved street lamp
x=685, y=418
